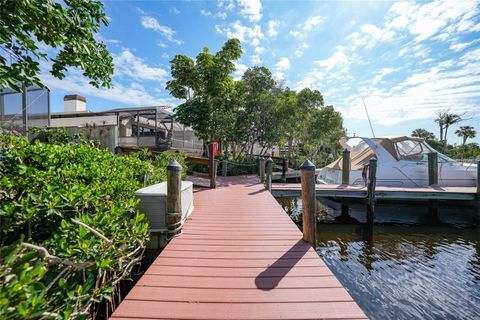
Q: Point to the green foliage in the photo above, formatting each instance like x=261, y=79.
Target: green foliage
x=257, y=116
x=464, y=151
x=159, y=164
x=207, y=86
x=239, y=166
x=424, y=134
x=253, y=112
x=68, y=27
x=69, y=228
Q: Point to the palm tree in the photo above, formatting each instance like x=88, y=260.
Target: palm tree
x=441, y=115
x=450, y=119
x=466, y=132
x=424, y=134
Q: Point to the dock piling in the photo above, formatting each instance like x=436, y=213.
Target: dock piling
x=478, y=180
x=261, y=169
x=225, y=165
x=284, y=169
x=174, y=198
x=212, y=170
x=309, y=202
x=268, y=182
x=346, y=167
x=432, y=168
x=372, y=182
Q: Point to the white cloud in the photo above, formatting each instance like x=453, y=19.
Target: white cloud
x=437, y=20
x=251, y=9
x=227, y=4
x=312, y=22
x=162, y=45
x=174, y=10
x=98, y=36
x=298, y=53
x=457, y=47
x=278, y=76
x=259, y=50
x=453, y=84
x=127, y=64
x=421, y=53
x=370, y=35
x=283, y=64
x=338, y=60
x=428, y=19
x=334, y=68
x=309, y=25
x=239, y=70
x=272, y=29
x=294, y=33
x=256, y=60
x=243, y=33
x=381, y=74
x=220, y=14
x=152, y=23
x=133, y=95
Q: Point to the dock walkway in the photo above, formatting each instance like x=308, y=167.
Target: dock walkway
x=239, y=257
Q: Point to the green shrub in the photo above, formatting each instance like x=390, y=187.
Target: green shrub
x=69, y=228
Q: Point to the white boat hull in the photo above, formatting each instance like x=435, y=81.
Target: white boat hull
x=407, y=174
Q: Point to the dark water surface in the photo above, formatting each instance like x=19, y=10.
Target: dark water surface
x=412, y=263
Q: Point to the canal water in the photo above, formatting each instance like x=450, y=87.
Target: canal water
x=412, y=263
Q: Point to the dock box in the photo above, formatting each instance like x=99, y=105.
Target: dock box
x=153, y=203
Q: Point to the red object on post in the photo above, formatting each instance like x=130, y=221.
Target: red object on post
x=215, y=149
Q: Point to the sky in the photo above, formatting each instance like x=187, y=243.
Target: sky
x=407, y=60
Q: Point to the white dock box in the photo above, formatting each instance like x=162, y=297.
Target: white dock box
x=153, y=203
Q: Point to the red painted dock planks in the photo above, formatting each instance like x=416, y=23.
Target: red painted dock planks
x=239, y=257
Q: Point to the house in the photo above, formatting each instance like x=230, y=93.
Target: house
x=127, y=129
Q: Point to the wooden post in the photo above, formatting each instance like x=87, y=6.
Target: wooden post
x=309, y=202
x=284, y=169
x=225, y=165
x=174, y=198
x=261, y=169
x=212, y=172
x=478, y=180
x=372, y=182
x=346, y=167
x=432, y=168
x=268, y=182
x=25, y=109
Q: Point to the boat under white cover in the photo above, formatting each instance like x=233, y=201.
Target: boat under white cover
x=401, y=161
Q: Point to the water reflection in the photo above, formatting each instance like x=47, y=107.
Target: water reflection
x=413, y=263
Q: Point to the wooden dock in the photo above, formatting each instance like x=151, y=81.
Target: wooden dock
x=388, y=193
x=290, y=174
x=239, y=257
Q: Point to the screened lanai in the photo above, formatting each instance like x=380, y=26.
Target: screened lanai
x=20, y=111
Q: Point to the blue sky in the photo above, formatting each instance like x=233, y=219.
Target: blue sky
x=408, y=60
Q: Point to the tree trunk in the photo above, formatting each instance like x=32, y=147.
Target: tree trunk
x=251, y=148
x=290, y=143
